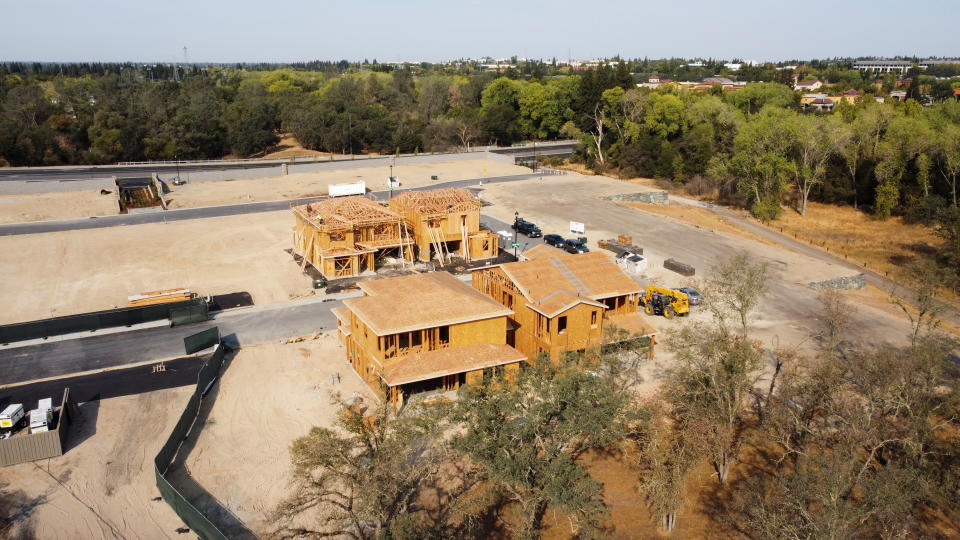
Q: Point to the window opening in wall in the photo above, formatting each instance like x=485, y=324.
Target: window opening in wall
x=593, y=319
x=562, y=324
x=444, y=334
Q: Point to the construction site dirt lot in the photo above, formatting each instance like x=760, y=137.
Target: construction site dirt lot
x=790, y=312
x=57, y=205
x=268, y=396
x=64, y=273
x=104, y=486
x=220, y=192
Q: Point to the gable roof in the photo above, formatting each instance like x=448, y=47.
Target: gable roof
x=591, y=275
x=560, y=301
x=421, y=366
x=417, y=301
x=541, y=250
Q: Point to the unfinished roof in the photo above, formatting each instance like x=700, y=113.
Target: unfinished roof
x=346, y=212
x=433, y=364
x=560, y=301
x=417, y=301
x=541, y=250
x=633, y=323
x=592, y=275
x=439, y=201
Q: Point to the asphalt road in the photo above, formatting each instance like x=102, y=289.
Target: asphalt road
x=69, y=173
x=215, y=211
x=238, y=327
x=107, y=384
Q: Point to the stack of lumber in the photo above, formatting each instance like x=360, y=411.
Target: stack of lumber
x=159, y=297
x=679, y=267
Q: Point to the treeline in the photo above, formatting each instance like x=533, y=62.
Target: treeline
x=845, y=441
x=132, y=116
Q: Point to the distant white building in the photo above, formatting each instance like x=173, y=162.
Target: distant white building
x=808, y=86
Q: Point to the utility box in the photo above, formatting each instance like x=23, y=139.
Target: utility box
x=11, y=416
x=40, y=420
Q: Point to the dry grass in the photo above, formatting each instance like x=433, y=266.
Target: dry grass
x=698, y=217
x=882, y=246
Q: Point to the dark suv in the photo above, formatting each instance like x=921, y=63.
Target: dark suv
x=575, y=246
x=528, y=228
x=554, y=240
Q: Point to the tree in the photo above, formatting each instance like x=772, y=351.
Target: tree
x=250, y=120
x=665, y=459
x=755, y=96
x=736, y=287
x=362, y=478
x=924, y=278
x=817, y=138
x=525, y=437
x=948, y=146
x=759, y=162
x=709, y=388
x=835, y=314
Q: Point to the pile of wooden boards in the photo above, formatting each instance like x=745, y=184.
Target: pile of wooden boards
x=160, y=297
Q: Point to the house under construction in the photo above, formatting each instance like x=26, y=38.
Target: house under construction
x=345, y=236
x=446, y=222
x=424, y=334
x=563, y=302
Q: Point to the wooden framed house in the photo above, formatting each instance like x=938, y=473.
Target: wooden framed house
x=424, y=334
x=564, y=302
x=344, y=236
x=445, y=222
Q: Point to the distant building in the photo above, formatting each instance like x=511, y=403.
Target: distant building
x=883, y=66
x=897, y=66
x=899, y=95
x=808, y=86
x=821, y=105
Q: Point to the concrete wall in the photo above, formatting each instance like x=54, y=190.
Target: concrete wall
x=660, y=197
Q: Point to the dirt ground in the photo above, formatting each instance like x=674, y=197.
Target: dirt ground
x=789, y=314
x=268, y=396
x=71, y=272
x=56, y=205
x=211, y=193
x=104, y=486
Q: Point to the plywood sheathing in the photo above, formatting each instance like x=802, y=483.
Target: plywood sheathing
x=560, y=301
x=422, y=366
x=417, y=301
x=592, y=275
x=541, y=250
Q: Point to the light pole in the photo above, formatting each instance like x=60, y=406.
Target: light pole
x=516, y=231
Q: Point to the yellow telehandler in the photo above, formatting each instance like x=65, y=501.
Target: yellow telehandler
x=666, y=302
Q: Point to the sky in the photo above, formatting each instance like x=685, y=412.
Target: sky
x=435, y=30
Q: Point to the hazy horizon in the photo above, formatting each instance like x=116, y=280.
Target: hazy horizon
x=429, y=30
